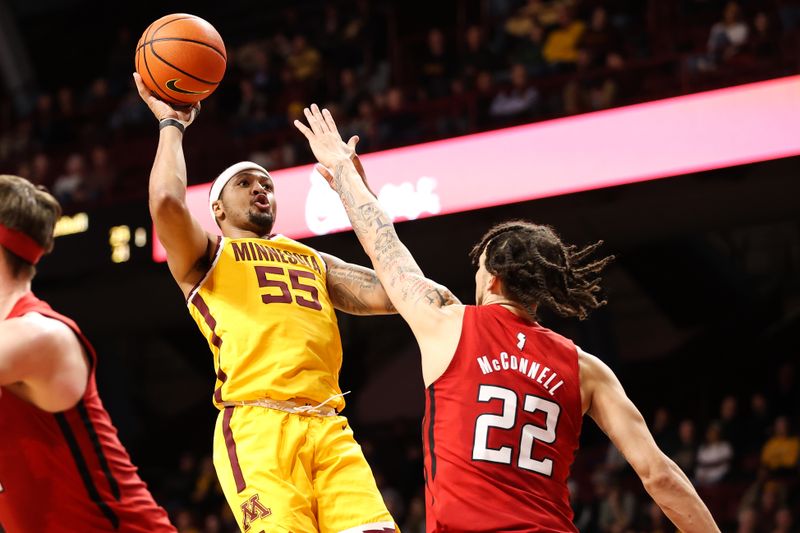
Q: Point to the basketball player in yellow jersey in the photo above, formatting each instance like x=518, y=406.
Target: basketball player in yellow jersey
x=286, y=460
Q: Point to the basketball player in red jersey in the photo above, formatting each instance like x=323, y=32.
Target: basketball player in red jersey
x=505, y=396
x=62, y=467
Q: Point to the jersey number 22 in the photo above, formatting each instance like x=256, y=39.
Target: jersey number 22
x=507, y=420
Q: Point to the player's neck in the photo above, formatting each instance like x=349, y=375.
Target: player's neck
x=241, y=233
x=514, y=307
x=11, y=290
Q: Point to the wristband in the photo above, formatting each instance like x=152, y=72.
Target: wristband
x=164, y=122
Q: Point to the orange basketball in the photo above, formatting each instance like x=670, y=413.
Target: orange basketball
x=181, y=58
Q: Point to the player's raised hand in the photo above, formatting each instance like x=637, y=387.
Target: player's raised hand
x=351, y=145
x=323, y=137
x=163, y=110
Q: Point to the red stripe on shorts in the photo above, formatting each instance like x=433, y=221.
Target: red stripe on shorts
x=231, y=444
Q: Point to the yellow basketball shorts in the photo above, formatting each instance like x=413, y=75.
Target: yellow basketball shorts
x=284, y=472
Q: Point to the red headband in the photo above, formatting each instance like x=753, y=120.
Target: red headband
x=20, y=245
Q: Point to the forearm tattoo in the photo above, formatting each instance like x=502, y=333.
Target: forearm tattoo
x=376, y=232
x=357, y=292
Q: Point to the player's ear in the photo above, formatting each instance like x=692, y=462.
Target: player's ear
x=219, y=212
x=495, y=284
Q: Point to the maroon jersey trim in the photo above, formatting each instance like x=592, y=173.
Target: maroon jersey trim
x=215, y=255
x=83, y=469
x=230, y=443
x=216, y=340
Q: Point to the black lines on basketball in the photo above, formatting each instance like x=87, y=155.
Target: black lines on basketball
x=153, y=51
x=160, y=39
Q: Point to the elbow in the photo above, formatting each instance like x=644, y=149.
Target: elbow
x=661, y=477
x=164, y=202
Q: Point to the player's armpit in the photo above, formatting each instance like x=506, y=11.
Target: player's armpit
x=356, y=289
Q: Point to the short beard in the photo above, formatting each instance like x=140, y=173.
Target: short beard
x=262, y=220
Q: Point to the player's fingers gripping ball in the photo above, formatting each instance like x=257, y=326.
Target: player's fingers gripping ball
x=181, y=58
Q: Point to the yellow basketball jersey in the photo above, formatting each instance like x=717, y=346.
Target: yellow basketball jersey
x=265, y=310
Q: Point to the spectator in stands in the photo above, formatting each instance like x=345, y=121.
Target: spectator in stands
x=728, y=36
x=102, y=173
x=303, y=59
x=351, y=92
x=397, y=125
x=528, y=51
x=748, y=521
x=252, y=115
x=184, y=521
x=757, y=425
x=582, y=512
x=98, y=103
x=15, y=139
x=617, y=510
x=262, y=73
x=731, y=423
x=364, y=124
x=130, y=112
x=591, y=90
x=789, y=12
x=614, y=462
x=713, y=457
x=475, y=58
x=654, y=520
x=435, y=66
x=561, y=46
x=784, y=521
x=662, y=430
x=780, y=453
x=41, y=170
x=599, y=39
x=516, y=103
x=484, y=94
x=685, y=452
x=532, y=12
x=67, y=120
x=763, y=45
x=771, y=499
x=71, y=187
x=44, y=121
x=415, y=519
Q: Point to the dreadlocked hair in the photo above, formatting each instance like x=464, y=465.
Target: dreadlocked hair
x=537, y=269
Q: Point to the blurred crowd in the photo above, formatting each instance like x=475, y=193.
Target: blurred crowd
x=506, y=62
x=743, y=461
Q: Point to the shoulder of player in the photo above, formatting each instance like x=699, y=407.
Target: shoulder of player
x=590, y=366
x=42, y=347
x=48, y=336
x=595, y=375
x=442, y=322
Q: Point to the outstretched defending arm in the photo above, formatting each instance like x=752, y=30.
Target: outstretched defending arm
x=185, y=241
x=419, y=300
x=606, y=402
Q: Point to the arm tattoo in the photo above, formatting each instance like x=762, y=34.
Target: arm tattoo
x=375, y=230
x=357, y=291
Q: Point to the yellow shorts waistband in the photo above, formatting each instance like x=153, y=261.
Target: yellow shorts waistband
x=297, y=407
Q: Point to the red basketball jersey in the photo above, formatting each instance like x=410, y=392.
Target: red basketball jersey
x=501, y=428
x=68, y=471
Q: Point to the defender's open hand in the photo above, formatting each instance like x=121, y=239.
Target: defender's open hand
x=323, y=137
